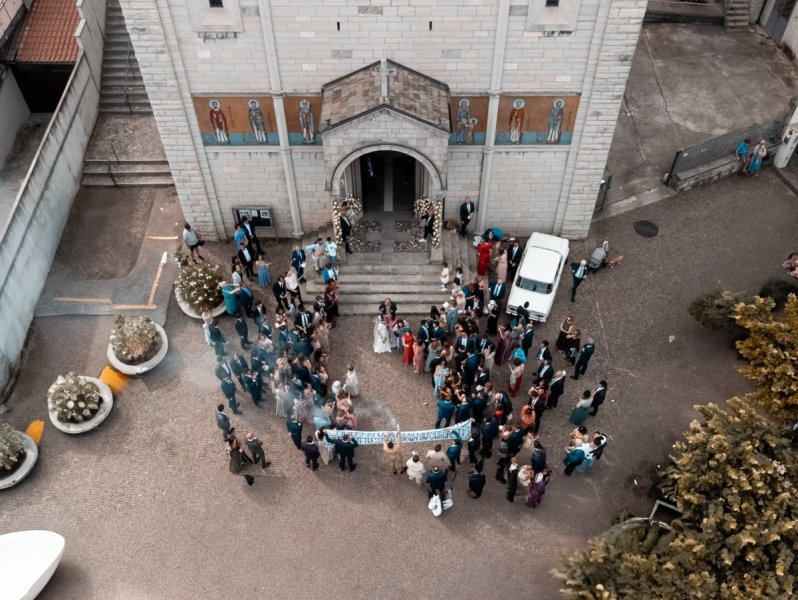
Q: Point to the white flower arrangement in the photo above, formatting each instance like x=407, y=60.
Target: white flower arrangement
x=198, y=286
x=420, y=208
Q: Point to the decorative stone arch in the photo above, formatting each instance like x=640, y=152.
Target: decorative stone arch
x=438, y=187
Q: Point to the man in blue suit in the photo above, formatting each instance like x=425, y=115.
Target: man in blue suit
x=229, y=391
x=584, y=357
x=453, y=452
x=445, y=413
x=298, y=260
x=497, y=290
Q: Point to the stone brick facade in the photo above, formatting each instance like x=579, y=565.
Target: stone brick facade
x=284, y=48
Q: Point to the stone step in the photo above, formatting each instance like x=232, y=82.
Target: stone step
x=121, y=53
x=363, y=284
x=127, y=181
x=400, y=297
x=135, y=88
x=390, y=269
x=118, y=77
x=405, y=310
x=424, y=288
x=120, y=62
x=120, y=97
x=132, y=167
x=137, y=109
x=349, y=277
x=391, y=258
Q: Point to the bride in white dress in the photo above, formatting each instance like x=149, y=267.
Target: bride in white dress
x=381, y=340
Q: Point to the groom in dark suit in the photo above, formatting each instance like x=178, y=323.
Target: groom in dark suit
x=429, y=222
x=346, y=231
x=466, y=213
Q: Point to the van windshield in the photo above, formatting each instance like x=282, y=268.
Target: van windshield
x=531, y=285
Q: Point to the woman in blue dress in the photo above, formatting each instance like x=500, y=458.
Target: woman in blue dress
x=760, y=152
x=264, y=279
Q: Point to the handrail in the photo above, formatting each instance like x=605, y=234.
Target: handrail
x=128, y=70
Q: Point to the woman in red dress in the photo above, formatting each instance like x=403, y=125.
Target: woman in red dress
x=483, y=258
x=407, y=344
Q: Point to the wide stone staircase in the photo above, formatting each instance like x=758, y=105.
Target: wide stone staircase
x=125, y=149
x=367, y=278
x=122, y=88
x=737, y=15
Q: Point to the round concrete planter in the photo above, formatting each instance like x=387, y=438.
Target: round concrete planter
x=184, y=306
x=141, y=367
x=105, y=409
x=31, y=456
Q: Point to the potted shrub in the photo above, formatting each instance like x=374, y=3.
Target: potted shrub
x=137, y=345
x=197, y=290
x=18, y=454
x=78, y=403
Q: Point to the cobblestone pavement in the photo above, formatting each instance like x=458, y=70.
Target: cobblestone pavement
x=149, y=509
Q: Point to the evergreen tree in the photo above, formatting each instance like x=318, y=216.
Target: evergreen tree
x=715, y=309
x=734, y=479
x=772, y=353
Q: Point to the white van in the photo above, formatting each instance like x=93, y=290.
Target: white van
x=538, y=275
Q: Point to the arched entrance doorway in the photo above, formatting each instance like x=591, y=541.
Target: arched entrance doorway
x=388, y=181
x=387, y=177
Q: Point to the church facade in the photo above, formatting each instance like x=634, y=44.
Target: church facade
x=286, y=105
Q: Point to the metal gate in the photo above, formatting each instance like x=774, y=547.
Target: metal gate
x=779, y=18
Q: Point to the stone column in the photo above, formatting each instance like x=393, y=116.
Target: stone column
x=493, y=112
x=612, y=48
x=152, y=33
x=267, y=29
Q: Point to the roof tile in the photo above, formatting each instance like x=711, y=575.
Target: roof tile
x=48, y=33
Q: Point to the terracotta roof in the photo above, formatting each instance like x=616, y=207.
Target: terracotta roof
x=408, y=92
x=48, y=33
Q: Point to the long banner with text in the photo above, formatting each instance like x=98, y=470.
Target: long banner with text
x=408, y=437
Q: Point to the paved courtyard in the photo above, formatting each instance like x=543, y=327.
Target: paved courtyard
x=149, y=509
x=689, y=83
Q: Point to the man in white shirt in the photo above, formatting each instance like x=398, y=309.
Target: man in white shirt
x=331, y=248
x=437, y=458
x=579, y=271
x=192, y=240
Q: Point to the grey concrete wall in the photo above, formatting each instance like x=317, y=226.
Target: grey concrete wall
x=45, y=197
x=14, y=110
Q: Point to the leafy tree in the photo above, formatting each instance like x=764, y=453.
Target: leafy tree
x=734, y=479
x=715, y=309
x=772, y=353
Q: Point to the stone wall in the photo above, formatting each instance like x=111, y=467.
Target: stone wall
x=151, y=28
x=249, y=178
x=464, y=172
x=45, y=197
x=14, y=110
x=525, y=190
x=184, y=52
x=611, y=52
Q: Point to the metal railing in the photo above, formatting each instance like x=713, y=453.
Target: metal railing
x=128, y=72
x=724, y=146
